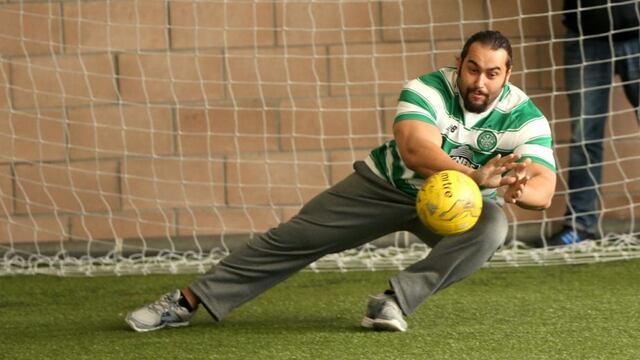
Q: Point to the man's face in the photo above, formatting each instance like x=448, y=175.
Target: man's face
x=481, y=76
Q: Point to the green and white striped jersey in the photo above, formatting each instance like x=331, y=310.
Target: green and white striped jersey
x=512, y=124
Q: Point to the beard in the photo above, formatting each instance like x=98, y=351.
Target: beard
x=476, y=106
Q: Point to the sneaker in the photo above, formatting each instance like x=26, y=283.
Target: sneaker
x=568, y=236
x=383, y=313
x=159, y=314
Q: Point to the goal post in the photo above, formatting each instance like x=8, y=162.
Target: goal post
x=141, y=136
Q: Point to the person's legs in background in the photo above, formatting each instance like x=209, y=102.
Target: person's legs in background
x=628, y=67
x=588, y=76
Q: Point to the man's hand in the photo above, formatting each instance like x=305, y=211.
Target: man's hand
x=490, y=174
x=514, y=191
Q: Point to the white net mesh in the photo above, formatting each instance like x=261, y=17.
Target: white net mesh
x=142, y=136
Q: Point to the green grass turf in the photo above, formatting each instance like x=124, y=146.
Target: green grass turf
x=561, y=312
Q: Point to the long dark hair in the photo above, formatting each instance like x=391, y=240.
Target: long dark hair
x=492, y=39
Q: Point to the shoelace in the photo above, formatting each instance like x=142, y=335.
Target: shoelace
x=162, y=304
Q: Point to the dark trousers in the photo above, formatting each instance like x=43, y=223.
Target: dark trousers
x=591, y=65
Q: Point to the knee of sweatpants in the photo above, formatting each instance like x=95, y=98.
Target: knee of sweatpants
x=491, y=230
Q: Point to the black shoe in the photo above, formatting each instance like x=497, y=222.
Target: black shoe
x=568, y=236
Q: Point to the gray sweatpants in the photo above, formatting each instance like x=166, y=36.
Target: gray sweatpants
x=359, y=209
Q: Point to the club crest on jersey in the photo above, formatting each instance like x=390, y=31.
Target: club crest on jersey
x=487, y=141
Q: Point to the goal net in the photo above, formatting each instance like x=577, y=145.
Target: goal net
x=141, y=136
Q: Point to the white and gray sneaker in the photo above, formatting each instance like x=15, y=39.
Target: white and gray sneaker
x=164, y=312
x=383, y=313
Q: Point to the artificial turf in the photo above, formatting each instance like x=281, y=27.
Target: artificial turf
x=557, y=312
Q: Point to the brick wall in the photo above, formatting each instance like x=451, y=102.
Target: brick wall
x=173, y=119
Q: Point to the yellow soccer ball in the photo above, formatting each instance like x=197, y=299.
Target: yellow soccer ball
x=449, y=202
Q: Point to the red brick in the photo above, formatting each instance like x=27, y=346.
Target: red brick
x=62, y=187
x=39, y=82
x=277, y=72
x=107, y=131
x=333, y=123
x=551, y=57
x=561, y=130
x=445, y=54
x=5, y=85
x=621, y=210
x=527, y=18
x=28, y=136
x=123, y=225
x=222, y=220
x=553, y=77
x=505, y=8
x=540, y=26
x=619, y=204
x=171, y=77
x=411, y=20
x=115, y=25
x=556, y=109
x=562, y=165
x=530, y=66
x=303, y=23
x=527, y=81
x=164, y=183
x=558, y=206
x=227, y=129
x=6, y=191
x=341, y=163
x=445, y=11
x=374, y=69
x=30, y=29
x=622, y=120
x=622, y=164
x=406, y=20
x=622, y=124
x=228, y=24
x=289, y=212
x=275, y=178
x=389, y=106
x=40, y=228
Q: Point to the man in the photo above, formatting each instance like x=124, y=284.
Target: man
x=602, y=40
x=468, y=119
